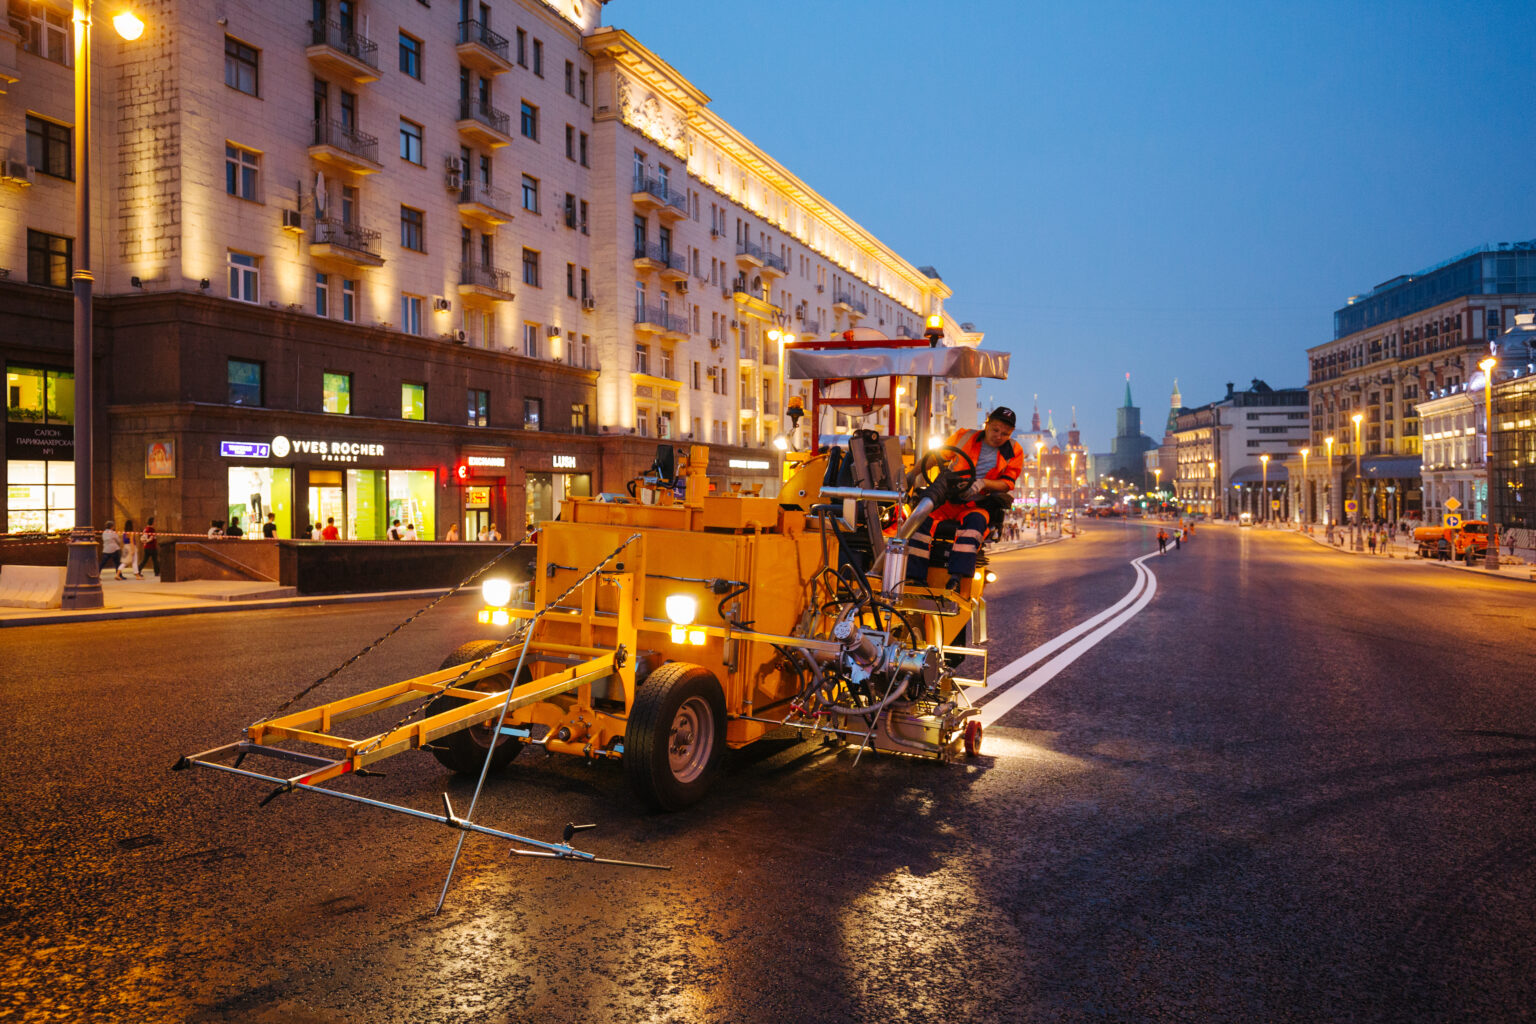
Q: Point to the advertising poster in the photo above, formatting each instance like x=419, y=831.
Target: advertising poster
x=160, y=459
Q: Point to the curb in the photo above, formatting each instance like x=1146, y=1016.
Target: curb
x=1410, y=558
x=214, y=607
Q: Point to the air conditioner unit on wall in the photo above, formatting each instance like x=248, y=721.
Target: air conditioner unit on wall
x=293, y=220
x=440, y=304
x=454, y=181
x=589, y=304
x=17, y=172
x=682, y=287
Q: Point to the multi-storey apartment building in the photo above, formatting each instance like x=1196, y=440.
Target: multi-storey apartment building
x=1411, y=339
x=1219, y=451
x=377, y=259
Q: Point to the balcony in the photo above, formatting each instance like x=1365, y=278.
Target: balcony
x=477, y=280
x=773, y=265
x=845, y=302
x=345, y=243
x=748, y=255
x=652, y=193
x=810, y=328
x=672, y=265
x=486, y=203
x=483, y=124
x=656, y=320
x=342, y=53
x=344, y=148
x=482, y=49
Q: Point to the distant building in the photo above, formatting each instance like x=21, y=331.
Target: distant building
x=1126, y=450
x=1219, y=449
x=1514, y=435
x=1412, y=339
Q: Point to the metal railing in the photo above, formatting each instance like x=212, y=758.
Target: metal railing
x=486, y=115
x=775, y=261
x=486, y=195
x=810, y=326
x=353, y=44
x=846, y=299
x=478, y=32
x=665, y=256
x=657, y=188
x=333, y=231
x=482, y=276
x=663, y=318
x=749, y=249
x=350, y=140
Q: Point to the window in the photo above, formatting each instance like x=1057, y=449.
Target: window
x=44, y=31
x=570, y=211
x=410, y=56
x=578, y=418
x=322, y=294
x=570, y=79
x=412, y=229
x=50, y=148
x=533, y=413
x=586, y=352
x=583, y=206
x=642, y=359
x=349, y=301
x=531, y=267
x=581, y=149
x=336, y=391
x=538, y=58
x=581, y=80
x=413, y=401
x=241, y=67
x=244, y=276
x=50, y=259
x=530, y=121
x=531, y=340
x=570, y=142
x=479, y=407
x=410, y=141
x=244, y=382
x=586, y=291
x=240, y=167
x=410, y=313
x=530, y=194
x=522, y=47
x=39, y=395
x=570, y=280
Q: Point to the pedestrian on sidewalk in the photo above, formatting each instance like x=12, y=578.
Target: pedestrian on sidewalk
x=111, y=549
x=1370, y=541
x=129, y=559
x=234, y=528
x=268, y=528
x=453, y=534
x=1162, y=541
x=330, y=532
x=151, y=548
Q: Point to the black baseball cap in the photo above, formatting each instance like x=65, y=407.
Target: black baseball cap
x=1003, y=414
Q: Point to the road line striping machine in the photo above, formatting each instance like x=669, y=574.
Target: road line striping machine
x=663, y=625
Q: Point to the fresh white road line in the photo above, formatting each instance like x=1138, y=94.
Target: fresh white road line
x=1012, y=692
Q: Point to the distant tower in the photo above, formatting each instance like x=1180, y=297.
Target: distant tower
x=1129, y=443
x=1128, y=417
x=1034, y=423
x=1074, y=436
x=1050, y=424
x=1174, y=405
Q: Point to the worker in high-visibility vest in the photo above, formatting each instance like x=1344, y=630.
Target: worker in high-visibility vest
x=998, y=461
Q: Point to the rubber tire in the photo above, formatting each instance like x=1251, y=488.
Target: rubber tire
x=463, y=752
x=647, y=740
x=971, y=738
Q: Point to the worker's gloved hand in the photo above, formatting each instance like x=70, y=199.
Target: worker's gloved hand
x=973, y=492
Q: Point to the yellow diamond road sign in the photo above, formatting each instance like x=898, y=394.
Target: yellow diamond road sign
x=1451, y=504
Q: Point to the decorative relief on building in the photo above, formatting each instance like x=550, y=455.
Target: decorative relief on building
x=644, y=111
x=643, y=391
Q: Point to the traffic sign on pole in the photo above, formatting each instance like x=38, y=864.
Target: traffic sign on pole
x=1351, y=506
x=1452, y=521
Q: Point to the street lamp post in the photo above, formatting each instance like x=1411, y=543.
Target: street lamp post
x=1302, y=511
x=1039, y=477
x=1328, y=516
x=1157, y=486
x=1491, y=560
x=82, y=573
x=1264, y=500
x=1359, y=484
x=1214, y=488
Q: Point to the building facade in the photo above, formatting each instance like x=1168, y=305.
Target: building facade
x=1220, y=449
x=381, y=259
x=1412, y=339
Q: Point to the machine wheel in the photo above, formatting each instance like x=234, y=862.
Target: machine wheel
x=676, y=736
x=972, y=738
x=464, y=751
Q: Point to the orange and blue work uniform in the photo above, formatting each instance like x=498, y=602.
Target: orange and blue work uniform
x=1005, y=462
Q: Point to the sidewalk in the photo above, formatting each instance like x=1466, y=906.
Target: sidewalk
x=1398, y=547
x=149, y=598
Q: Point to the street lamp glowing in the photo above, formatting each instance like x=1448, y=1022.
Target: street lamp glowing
x=1359, y=484
x=128, y=25
x=1491, y=557
x=1264, y=511
x=781, y=443
x=1304, y=503
x=773, y=334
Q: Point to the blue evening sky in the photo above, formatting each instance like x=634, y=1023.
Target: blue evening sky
x=1175, y=189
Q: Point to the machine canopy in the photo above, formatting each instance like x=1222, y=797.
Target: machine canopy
x=844, y=363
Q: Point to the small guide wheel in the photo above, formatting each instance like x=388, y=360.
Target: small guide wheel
x=972, y=738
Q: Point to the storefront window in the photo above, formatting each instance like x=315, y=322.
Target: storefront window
x=545, y=492
x=255, y=491
x=39, y=496
x=337, y=390
x=413, y=401
x=412, y=500
x=39, y=396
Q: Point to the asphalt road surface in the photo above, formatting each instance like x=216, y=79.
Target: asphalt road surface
x=1286, y=784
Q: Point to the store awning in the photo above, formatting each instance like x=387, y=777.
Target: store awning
x=1254, y=474
x=1385, y=467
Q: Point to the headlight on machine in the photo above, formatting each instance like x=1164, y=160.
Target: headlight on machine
x=497, y=593
x=681, y=608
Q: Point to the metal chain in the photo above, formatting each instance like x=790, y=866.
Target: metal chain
x=375, y=644
x=524, y=631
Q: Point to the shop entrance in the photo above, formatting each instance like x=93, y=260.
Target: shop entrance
x=547, y=490
x=258, y=491
x=327, y=501
x=477, y=511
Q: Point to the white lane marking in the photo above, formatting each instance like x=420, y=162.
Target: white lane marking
x=1014, y=692
x=1005, y=675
